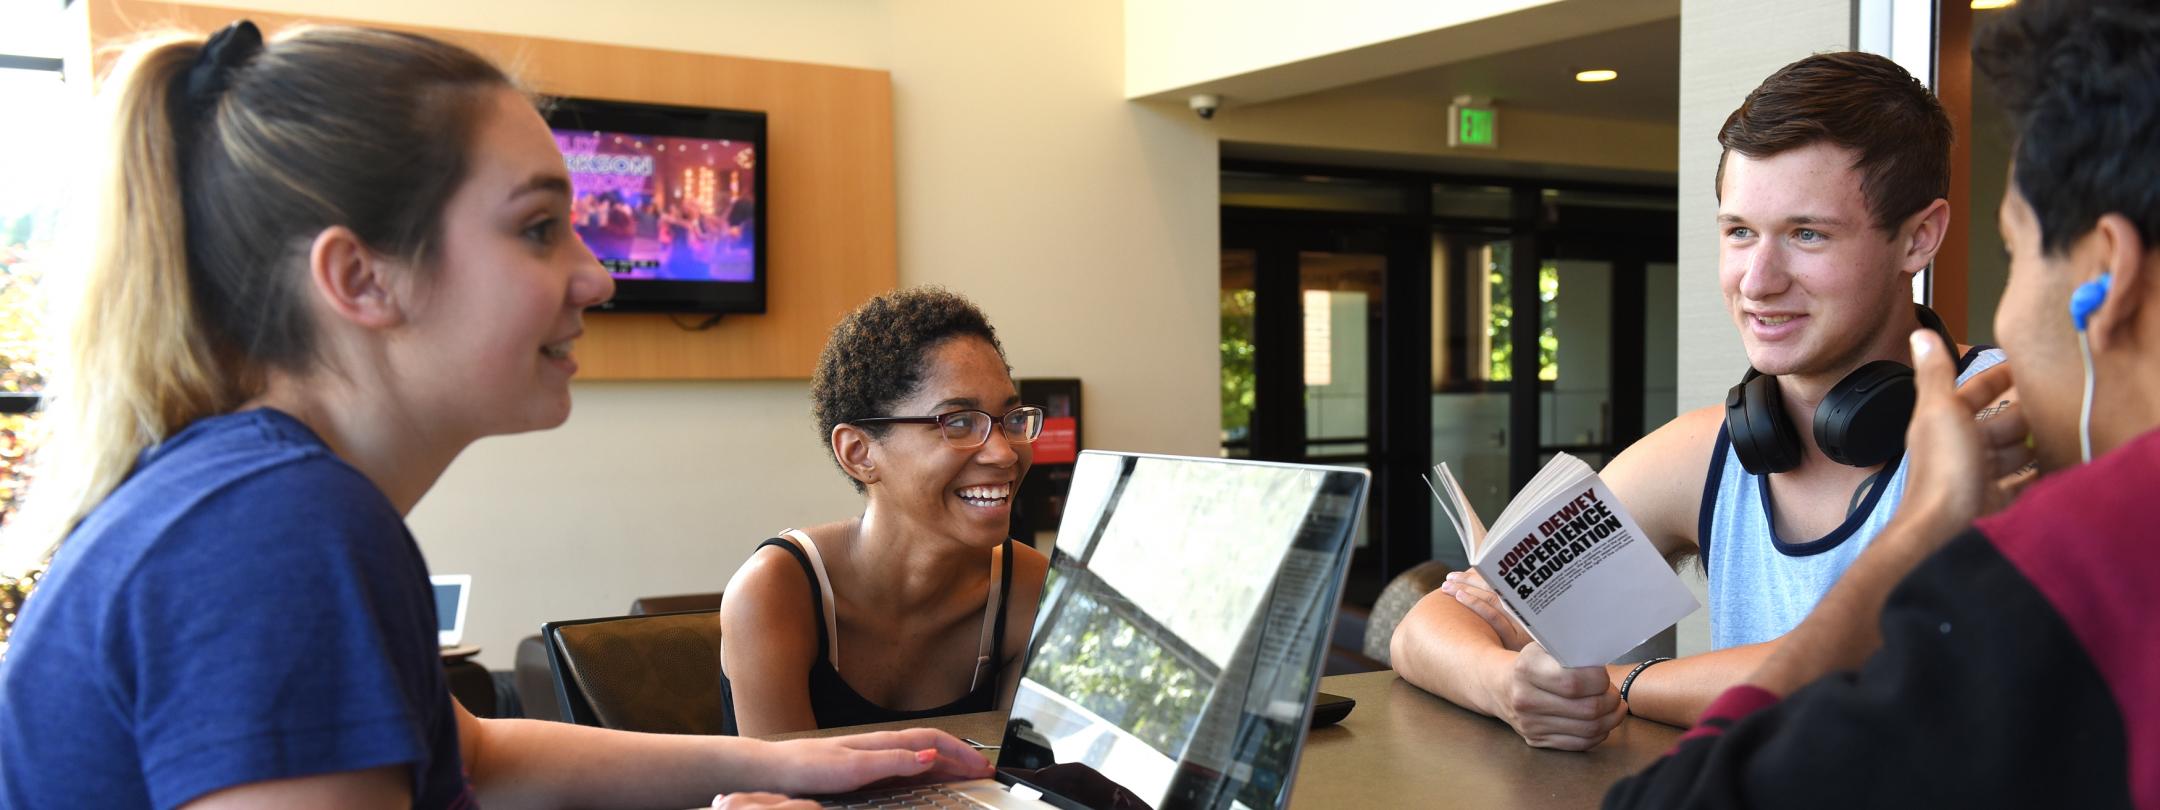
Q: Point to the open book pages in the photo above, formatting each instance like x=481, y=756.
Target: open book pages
x=1570, y=563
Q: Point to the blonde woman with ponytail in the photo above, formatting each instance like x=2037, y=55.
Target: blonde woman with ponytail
x=327, y=264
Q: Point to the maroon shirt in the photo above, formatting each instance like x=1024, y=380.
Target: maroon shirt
x=2019, y=668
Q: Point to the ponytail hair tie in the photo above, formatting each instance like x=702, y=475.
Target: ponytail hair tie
x=227, y=49
x=197, y=89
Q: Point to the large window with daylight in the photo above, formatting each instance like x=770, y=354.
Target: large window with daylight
x=40, y=173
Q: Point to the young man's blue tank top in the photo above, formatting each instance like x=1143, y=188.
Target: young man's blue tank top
x=1761, y=584
x=245, y=606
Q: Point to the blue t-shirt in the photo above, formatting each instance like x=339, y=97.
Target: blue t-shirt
x=246, y=606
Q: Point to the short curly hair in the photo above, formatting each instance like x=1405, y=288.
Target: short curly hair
x=878, y=354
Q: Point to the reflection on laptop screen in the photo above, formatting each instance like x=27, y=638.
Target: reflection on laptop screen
x=451, y=592
x=1183, y=626
x=446, y=597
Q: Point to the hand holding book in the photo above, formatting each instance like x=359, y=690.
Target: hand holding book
x=1469, y=589
x=1568, y=564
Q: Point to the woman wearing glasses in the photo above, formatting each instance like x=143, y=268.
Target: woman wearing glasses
x=921, y=605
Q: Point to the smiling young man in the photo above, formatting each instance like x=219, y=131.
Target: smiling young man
x=1972, y=659
x=1830, y=198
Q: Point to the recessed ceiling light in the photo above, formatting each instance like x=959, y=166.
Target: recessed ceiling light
x=1984, y=5
x=1600, y=75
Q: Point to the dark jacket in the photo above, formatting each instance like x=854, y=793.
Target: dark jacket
x=2020, y=667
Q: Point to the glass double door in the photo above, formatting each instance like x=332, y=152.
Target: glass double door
x=1576, y=358
x=1396, y=346
x=1307, y=363
x=1331, y=344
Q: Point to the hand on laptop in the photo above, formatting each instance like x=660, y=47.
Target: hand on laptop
x=1469, y=588
x=840, y=764
x=772, y=801
x=1552, y=706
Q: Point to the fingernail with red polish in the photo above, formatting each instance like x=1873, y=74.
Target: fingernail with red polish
x=926, y=756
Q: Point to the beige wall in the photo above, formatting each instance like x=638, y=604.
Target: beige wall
x=1085, y=225
x=850, y=33
x=1416, y=125
x=1727, y=47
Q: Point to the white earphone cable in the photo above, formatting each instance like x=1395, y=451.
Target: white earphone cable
x=2085, y=410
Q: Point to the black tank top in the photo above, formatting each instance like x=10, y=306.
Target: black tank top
x=835, y=704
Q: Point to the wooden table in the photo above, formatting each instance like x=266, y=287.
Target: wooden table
x=1402, y=747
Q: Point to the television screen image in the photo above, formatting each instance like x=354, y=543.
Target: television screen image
x=659, y=207
x=670, y=199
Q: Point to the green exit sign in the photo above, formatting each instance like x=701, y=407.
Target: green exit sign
x=1474, y=126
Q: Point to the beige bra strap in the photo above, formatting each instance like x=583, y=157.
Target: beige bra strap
x=832, y=617
x=983, y=664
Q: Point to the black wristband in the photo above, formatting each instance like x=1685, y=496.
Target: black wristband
x=1630, y=679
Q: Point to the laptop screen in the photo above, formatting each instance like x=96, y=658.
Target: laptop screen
x=1182, y=630
x=450, y=591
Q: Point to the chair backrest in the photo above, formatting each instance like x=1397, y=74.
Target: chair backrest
x=535, y=674
x=1395, y=602
x=658, y=672
x=645, y=605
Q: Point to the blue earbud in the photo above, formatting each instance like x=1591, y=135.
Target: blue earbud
x=2087, y=298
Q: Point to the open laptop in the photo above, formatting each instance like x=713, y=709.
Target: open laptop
x=452, y=593
x=1180, y=638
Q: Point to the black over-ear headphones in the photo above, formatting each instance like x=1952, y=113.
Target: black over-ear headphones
x=1860, y=423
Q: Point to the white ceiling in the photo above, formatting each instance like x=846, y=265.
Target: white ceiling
x=1547, y=22
x=1542, y=77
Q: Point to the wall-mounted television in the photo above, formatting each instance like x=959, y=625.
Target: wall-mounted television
x=670, y=199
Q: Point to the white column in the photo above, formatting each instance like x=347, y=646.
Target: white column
x=1727, y=47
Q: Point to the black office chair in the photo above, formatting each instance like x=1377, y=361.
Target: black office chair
x=675, y=604
x=658, y=672
x=534, y=674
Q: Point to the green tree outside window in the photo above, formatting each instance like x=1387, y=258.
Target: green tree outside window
x=1237, y=363
x=31, y=192
x=1503, y=314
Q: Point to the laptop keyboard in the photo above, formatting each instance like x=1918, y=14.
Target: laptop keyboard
x=926, y=796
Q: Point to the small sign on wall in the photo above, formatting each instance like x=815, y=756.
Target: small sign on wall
x=1041, y=503
x=1059, y=442
x=1473, y=122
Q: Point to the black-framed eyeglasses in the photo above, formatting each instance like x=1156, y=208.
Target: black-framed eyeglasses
x=970, y=428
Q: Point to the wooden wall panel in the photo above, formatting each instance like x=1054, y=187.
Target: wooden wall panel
x=830, y=193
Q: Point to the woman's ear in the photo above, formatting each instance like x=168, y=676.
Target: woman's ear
x=354, y=282
x=857, y=453
x=2123, y=255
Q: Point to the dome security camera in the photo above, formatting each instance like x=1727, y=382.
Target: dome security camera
x=1204, y=104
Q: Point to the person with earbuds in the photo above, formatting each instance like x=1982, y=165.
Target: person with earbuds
x=1983, y=654
x=1830, y=199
